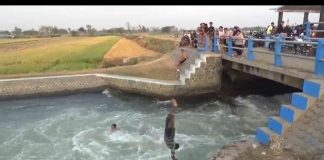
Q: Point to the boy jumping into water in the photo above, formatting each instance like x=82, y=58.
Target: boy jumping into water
x=182, y=59
x=169, y=131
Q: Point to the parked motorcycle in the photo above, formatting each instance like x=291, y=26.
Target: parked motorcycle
x=258, y=35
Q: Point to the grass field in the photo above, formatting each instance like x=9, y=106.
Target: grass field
x=53, y=54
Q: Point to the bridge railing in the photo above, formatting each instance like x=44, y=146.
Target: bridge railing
x=309, y=30
x=278, y=54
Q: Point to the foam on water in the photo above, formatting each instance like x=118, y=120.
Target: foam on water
x=77, y=126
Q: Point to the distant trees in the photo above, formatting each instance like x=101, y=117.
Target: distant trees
x=74, y=33
x=62, y=31
x=82, y=30
x=142, y=28
x=31, y=32
x=87, y=30
x=168, y=29
x=5, y=32
x=128, y=27
x=90, y=30
x=155, y=29
x=17, y=32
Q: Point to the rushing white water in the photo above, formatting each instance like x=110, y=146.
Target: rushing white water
x=77, y=126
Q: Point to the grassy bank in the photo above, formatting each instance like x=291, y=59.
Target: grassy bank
x=155, y=44
x=163, y=68
x=54, y=54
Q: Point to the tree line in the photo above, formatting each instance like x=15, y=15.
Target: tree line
x=88, y=30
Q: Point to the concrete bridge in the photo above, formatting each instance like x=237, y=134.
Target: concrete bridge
x=302, y=72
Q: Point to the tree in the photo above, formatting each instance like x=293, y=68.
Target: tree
x=31, y=32
x=89, y=29
x=128, y=27
x=82, y=30
x=93, y=31
x=5, y=32
x=155, y=29
x=116, y=30
x=168, y=29
x=62, y=31
x=54, y=30
x=17, y=31
x=74, y=33
x=46, y=30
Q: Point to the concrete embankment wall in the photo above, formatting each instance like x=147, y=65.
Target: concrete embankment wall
x=22, y=87
x=205, y=79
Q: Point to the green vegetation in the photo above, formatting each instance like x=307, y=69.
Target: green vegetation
x=155, y=44
x=54, y=54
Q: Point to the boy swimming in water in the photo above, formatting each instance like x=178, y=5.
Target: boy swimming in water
x=113, y=128
x=169, y=131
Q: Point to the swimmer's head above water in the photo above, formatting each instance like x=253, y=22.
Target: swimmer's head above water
x=113, y=127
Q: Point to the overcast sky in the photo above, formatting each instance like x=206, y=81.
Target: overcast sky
x=187, y=17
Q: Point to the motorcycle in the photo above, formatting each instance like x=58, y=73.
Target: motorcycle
x=290, y=48
x=302, y=49
x=258, y=35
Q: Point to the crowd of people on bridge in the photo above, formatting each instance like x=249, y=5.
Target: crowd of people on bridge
x=204, y=35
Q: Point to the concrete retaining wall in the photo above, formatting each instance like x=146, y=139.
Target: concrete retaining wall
x=12, y=88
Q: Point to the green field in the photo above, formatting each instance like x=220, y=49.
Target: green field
x=53, y=54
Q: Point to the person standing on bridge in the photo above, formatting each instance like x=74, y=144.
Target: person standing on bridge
x=238, y=41
x=169, y=131
x=210, y=33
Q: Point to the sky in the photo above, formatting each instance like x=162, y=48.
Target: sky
x=186, y=17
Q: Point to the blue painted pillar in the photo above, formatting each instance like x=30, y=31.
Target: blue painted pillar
x=229, y=47
x=308, y=31
x=277, y=55
x=250, y=55
x=215, y=46
x=319, y=63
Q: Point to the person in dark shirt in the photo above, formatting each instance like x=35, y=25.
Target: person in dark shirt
x=210, y=33
x=169, y=131
x=194, y=39
x=287, y=30
x=280, y=27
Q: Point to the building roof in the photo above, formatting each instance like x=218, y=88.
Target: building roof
x=299, y=8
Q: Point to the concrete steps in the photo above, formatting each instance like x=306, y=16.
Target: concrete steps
x=301, y=102
x=191, y=69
